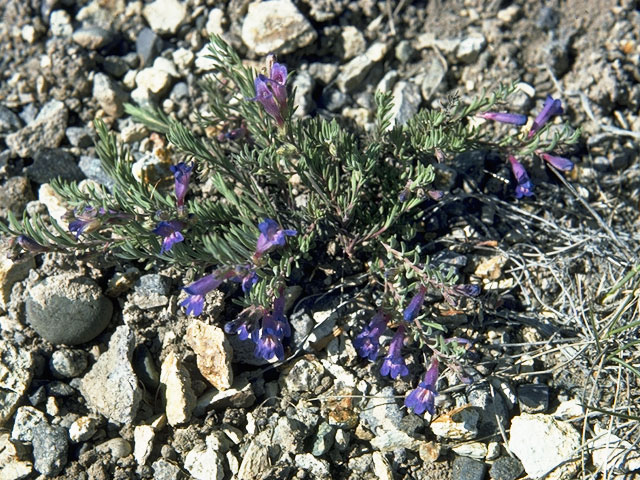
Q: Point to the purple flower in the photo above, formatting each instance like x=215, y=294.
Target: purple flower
x=182, y=175
x=393, y=363
x=435, y=194
x=29, y=244
x=265, y=96
x=271, y=91
x=194, y=303
x=560, y=163
x=268, y=346
x=271, y=236
x=367, y=342
x=423, y=396
x=503, y=117
x=524, y=187
x=87, y=221
x=465, y=290
x=413, y=309
x=245, y=323
x=550, y=108
x=275, y=327
x=170, y=233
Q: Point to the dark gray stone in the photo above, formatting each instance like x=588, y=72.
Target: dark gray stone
x=45, y=131
x=153, y=284
x=145, y=368
x=164, y=470
x=9, y=121
x=465, y=468
x=60, y=389
x=494, y=410
x=79, y=136
x=92, y=38
x=15, y=193
x=50, y=163
x=50, y=448
x=148, y=46
x=115, y=66
x=68, y=310
x=506, y=468
x=533, y=398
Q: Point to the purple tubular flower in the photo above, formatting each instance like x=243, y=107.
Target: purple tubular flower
x=182, y=175
x=29, y=244
x=194, y=303
x=278, y=84
x=524, y=187
x=265, y=96
x=268, y=346
x=170, y=233
x=413, y=309
x=271, y=236
x=423, y=396
x=393, y=363
x=275, y=327
x=466, y=290
x=248, y=281
x=86, y=221
x=367, y=342
x=245, y=323
x=503, y=117
x=550, y=108
x=560, y=163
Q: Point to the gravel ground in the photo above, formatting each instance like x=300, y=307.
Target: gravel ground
x=123, y=385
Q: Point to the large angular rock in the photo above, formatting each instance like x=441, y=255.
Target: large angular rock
x=111, y=386
x=176, y=383
x=213, y=353
x=276, y=27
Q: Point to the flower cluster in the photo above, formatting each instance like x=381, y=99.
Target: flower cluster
x=551, y=108
x=91, y=219
x=271, y=91
x=171, y=230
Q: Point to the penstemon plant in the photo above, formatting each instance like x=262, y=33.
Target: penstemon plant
x=285, y=190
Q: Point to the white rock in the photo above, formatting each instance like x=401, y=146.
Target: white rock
x=213, y=353
x=179, y=396
x=542, y=443
x=353, y=42
x=569, y=409
x=610, y=452
x=165, y=65
x=14, y=459
x=83, y=429
x=55, y=204
x=60, y=24
x=116, y=447
x=316, y=467
x=470, y=48
x=256, y=459
x=475, y=450
x=215, y=21
x=143, y=436
x=390, y=440
x=276, y=27
x=352, y=73
x=165, y=16
x=204, y=464
x=509, y=14
x=16, y=372
x=381, y=467
x=28, y=33
x=154, y=80
x=459, y=424
x=183, y=58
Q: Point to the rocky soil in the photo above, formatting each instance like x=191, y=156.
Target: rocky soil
x=102, y=376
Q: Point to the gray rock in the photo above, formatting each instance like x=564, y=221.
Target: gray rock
x=16, y=372
x=353, y=42
x=116, y=447
x=45, y=131
x=470, y=48
x=404, y=51
x=115, y=66
x=67, y=363
x=382, y=412
x=151, y=291
x=50, y=448
x=50, y=163
x=303, y=85
x=109, y=95
x=165, y=470
x=276, y=27
x=352, y=74
x=76, y=304
x=148, y=46
x=316, y=467
x=506, y=468
x=390, y=440
x=205, y=463
x=305, y=375
x=406, y=102
x=9, y=121
x=533, y=398
x=92, y=168
x=325, y=10
x=333, y=99
x=60, y=389
x=165, y=16
x=324, y=439
x=111, y=386
x=434, y=73
x=79, y=136
x=60, y=24
x=494, y=410
x=465, y=468
x=289, y=435
x=388, y=81
x=15, y=193
x=93, y=38
x=240, y=395
x=25, y=423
